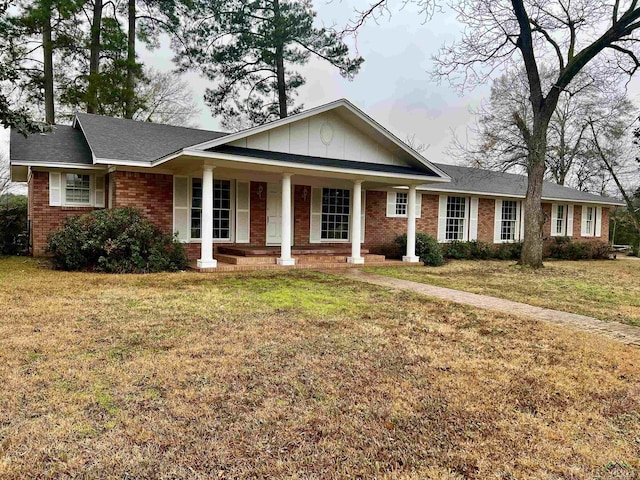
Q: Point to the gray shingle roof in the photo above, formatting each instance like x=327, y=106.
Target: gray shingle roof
x=63, y=144
x=476, y=180
x=324, y=162
x=120, y=139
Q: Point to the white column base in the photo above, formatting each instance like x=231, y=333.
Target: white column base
x=411, y=259
x=286, y=261
x=355, y=260
x=207, y=263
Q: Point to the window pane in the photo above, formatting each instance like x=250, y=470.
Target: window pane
x=336, y=204
x=456, y=218
x=401, y=203
x=221, y=209
x=196, y=207
x=560, y=219
x=78, y=189
x=509, y=219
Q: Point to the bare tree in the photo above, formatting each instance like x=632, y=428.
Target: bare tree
x=497, y=142
x=166, y=98
x=568, y=35
x=615, y=150
x=416, y=144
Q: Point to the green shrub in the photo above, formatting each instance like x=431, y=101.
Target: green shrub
x=565, y=248
x=473, y=250
x=457, y=250
x=14, y=236
x=116, y=241
x=507, y=251
x=427, y=248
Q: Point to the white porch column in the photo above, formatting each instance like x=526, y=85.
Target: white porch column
x=206, y=226
x=356, y=213
x=285, y=245
x=411, y=227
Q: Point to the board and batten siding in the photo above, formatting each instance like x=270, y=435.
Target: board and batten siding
x=325, y=135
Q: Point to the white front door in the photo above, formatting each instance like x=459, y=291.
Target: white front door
x=274, y=214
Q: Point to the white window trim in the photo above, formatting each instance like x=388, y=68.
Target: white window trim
x=596, y=227
x=567, y=220
x=467, y=219
x=232, y=220
x=63, y=191
x=391, y=200
x=497, y=221
x=335, y=240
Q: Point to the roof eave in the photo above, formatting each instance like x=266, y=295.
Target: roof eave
x=513, y=195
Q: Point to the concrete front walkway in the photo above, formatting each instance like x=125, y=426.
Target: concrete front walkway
x=617, y=331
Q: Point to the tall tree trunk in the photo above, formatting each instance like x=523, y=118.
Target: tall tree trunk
x=131, y=62
x=282, y=90
x=532, y=254
x=47, y=48
x=94, y=58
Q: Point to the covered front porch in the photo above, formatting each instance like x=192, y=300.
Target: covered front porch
x=230, y=217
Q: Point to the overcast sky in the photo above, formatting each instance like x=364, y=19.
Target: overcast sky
x=393, y=85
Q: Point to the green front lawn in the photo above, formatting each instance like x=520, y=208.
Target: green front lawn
x=295, y=375
x=605, y=289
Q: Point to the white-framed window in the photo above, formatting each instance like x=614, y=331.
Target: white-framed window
x=559, y=224
x=509, y=221
x=456, y=218
x=222, y=209
x=591, y=221
x=76, y=189
x=401, y=204
x=398, y=204
x=561, y=220
x=230, y=209
x=336, y=211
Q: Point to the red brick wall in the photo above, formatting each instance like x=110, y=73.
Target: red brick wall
x=605, y=224
x=258, y=214
x=381, y=231
x=151, y=193
x=546, y=228
x=301, y=215
x=44, y=218
x=486, y=219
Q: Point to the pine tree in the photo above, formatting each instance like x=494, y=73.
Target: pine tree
x=250, y=50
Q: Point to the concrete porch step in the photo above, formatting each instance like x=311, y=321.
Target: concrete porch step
x=249, y=251
x=225, y=267
x=300, y=259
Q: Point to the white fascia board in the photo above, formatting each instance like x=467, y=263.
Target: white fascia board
x=73, y=166
x=426, y=188
x=125, y=163
x=303, y=166
x=315, y=111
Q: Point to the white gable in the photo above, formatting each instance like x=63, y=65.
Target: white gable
x=325, y=135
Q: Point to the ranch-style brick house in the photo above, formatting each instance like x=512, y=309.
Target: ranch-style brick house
x=327, y=178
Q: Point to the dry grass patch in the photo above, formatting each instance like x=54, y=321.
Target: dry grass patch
x=608, y=290
x=296, y=375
